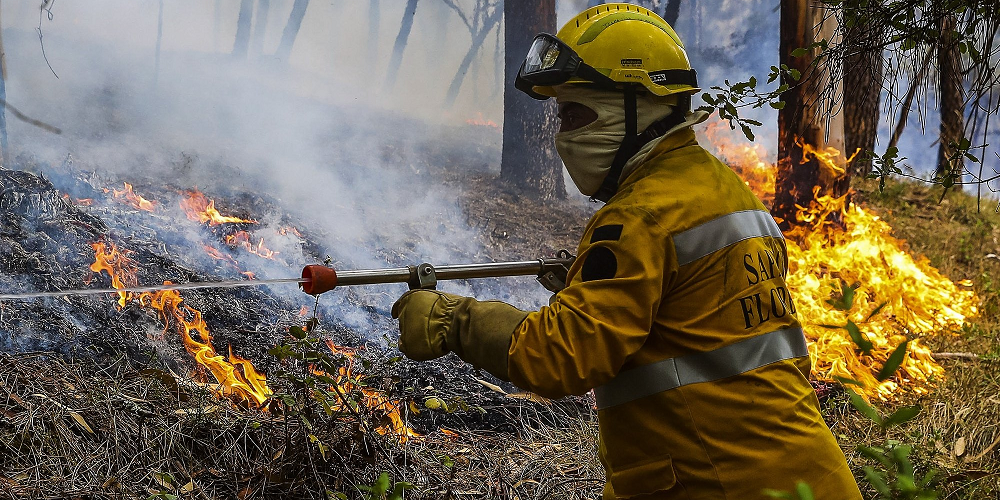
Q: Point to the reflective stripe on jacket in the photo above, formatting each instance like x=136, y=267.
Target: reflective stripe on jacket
x=678, y=315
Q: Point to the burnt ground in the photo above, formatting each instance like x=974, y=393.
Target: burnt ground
x=46, y=233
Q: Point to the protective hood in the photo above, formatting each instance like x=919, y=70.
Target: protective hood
x=589, y=151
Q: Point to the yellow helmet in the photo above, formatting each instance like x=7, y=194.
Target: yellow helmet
x=624, y=43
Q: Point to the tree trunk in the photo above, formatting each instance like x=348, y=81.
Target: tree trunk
x=4, y=151
x=243, y=24
x=529, y=159
x=374, y=17
x=216, y=24
x=863, y=74
x=477, y=42
x=806, y=118
x=291, y=30
x=159, y=42
x=260, y=28
x=400, y=45
x=951, y=103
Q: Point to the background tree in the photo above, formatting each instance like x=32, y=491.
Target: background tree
x=912, y=32
x=260, y=27
x=400, y=45
x=951, y=102
x=806, y=119
x=291, y=30
x=374, y=17
x=243, y=24
x=863, y=75
x=484, y=17
x=528, y=159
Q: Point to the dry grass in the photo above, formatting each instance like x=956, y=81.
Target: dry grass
x=958, y=431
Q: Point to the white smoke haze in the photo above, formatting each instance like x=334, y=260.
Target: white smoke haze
x=317, y=135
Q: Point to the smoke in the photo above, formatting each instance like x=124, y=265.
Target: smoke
x=318, y=137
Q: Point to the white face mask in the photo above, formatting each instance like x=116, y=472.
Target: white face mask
x=589, y=151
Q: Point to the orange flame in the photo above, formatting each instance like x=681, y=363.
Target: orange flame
x=919, y=300
x=241, y=239
x=237, y=378
x=85, y=202
x=201, y=209
x=373, y=399
x=747, y=160
x=479, y=120
x=289, y=229
x=133, y=199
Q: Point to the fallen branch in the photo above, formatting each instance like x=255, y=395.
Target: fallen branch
x=955, y=355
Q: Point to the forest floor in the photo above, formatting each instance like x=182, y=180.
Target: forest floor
x=72, y=429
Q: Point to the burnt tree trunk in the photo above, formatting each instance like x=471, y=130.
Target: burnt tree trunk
x=291, y=30
x=862, y=74
x=400, y=45
x=477, y=42
x=806, y=118
x=528, y=159
x=243, y=24
x=951, y=103
x=260, y=27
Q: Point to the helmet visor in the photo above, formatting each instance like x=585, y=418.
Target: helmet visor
x=543, y=55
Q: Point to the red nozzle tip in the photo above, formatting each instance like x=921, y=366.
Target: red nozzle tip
x=321, y=279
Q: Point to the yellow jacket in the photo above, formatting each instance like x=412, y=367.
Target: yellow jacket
x=678, y=316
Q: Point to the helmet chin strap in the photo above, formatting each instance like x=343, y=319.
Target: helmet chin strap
x=633, y=142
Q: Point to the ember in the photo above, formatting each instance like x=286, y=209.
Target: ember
x=199, y=208
x=237, y=378
x=861, y=250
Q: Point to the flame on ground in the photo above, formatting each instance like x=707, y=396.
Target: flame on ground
x=241, y=239
x=372, y=398
x=199, y=208
x=919, y=301
x=237, y=378
x=133, y=199
x=480, y=121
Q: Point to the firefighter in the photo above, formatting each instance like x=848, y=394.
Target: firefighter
x=676, y=312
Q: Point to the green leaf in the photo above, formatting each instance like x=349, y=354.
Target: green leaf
x=901, y=415
x=804, y=491
x=847, y=381
x=297, y=332
x=381, y=485
x=795, y=74
x=747, y=131
x=859, y=338
x=777, y=104
x=784, y=495
x=866, y=409
x=892, y=364
x=877, y=481
x=875, y=311
x=799, y=52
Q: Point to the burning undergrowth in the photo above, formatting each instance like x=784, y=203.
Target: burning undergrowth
x=838, y=248
x=207, y=371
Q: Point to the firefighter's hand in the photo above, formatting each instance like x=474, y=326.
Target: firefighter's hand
x=425, y=321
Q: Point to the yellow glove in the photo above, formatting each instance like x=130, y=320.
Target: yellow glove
x=433, y=323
